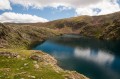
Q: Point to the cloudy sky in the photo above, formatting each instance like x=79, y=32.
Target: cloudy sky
x=31, y=11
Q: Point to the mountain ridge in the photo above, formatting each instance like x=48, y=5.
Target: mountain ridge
x=96, y=26
x=103, y=27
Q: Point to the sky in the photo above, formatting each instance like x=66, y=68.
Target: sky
x=32, y=11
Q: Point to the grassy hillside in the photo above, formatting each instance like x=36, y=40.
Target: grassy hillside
x=17, y=62
x=104, y=27
x=23, y=36
x=29, y=64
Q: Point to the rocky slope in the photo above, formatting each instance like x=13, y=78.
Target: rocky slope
x=104, y=26
x=23, y=36
x=30, y=64
x=17, y=62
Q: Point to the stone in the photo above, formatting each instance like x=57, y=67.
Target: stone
x=33, y=77
x=36, y=57
x=36, y=66
x=18, y=56
x=25, y=64
x=8, y=54
x=35, y=62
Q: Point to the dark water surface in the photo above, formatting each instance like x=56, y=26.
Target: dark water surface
x=97, y=59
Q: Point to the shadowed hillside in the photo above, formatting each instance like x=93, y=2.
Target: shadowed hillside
x=23, y=36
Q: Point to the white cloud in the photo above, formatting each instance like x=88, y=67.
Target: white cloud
x=5, y=4
x=54, y=3
x=20, y=18
x=82, y=7
x=108, y=6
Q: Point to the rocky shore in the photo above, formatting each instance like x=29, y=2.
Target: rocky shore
x=37, y=61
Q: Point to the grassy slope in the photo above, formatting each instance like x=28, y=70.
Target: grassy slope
x=19, y=64
x=23, y=67
x=23, y=36
x=104, y=27
x=16, y=62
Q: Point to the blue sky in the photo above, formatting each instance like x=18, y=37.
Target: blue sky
x=48, y=13
x=42, y=11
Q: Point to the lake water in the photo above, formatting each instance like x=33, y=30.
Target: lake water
x=97, y=59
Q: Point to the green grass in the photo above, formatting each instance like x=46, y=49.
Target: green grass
x=23, y=67
x=12, y=68
x=15, y=68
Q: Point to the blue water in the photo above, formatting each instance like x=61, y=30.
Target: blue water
x=97, y=59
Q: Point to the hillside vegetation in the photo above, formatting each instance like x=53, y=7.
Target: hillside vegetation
x=17, y=62
x=30, y=64
x=103, y=27
x=23, y=36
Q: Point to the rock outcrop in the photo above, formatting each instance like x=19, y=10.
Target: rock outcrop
x=37, y=61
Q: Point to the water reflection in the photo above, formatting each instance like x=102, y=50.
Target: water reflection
x=99, y=57
x=94, y=58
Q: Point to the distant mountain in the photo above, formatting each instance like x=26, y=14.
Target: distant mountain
x=104, y=26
